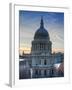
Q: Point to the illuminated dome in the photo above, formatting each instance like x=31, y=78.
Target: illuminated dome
x=41, y=33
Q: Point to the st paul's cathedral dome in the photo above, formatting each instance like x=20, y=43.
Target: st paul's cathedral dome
x=41, y=33
x=41, y=42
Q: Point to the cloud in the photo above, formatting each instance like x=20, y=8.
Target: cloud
x=30, y=22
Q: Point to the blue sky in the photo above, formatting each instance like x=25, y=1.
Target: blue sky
x=29, y=22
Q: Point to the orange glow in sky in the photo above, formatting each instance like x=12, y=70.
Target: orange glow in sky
x=28, y=50
x=57, y=50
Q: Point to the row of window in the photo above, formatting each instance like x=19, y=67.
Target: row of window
x=40, y=47
x=38, y=72
x=45, y=62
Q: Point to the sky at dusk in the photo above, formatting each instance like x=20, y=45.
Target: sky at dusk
x=29, y=22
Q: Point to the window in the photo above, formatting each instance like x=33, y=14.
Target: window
x=52, y=71
x=36, y=72
x=45, y=72
x=39, y=72
x=45, y=62
x=40, y=46
x=39, y=62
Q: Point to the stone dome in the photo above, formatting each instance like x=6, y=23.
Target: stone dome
x=41, y=33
